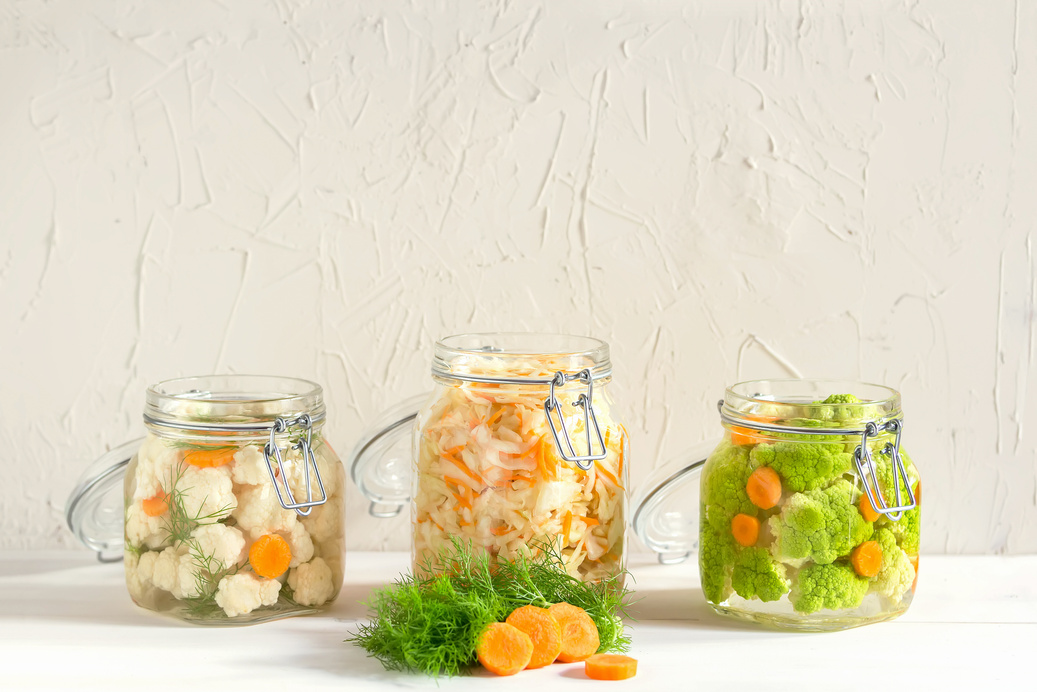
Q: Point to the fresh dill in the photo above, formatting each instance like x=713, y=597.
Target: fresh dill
x=432, y=625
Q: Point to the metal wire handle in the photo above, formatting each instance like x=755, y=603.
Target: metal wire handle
x=892, y=449
x=304, y=445
x=584, y=401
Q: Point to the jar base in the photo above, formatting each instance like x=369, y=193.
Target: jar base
x=805, y=623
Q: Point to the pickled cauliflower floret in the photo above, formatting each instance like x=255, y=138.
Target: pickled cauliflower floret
x=206, y=492
x=300, y=543
x=249, y=467
x=142, y=530
x=311, y=582
x=325, y=520
x=259, y=512
x=156, y=467
x=169, y=570
x=239, y=594
x=220, y=545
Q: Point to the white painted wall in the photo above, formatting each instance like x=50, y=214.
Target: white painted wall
x=722, y=190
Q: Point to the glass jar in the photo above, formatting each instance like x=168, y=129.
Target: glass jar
x=516, y=447
x=809, y=508
x=231, y=505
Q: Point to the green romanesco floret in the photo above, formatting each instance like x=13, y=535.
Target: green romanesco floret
x=723, y=483
x=835, y=408
x=820, y=525
x=896, y=574
x=757, y=574
x=834, y=587
x=906, y=530
x=803, y=466
x=716, y=556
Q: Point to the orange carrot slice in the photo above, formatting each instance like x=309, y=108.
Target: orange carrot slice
x=764, y=487
x=867, y=510
x=156, y=505
x=745, y=436
x=270, y=556
x=914, y=563
x=208, y=458
x=745, y=529
x=579, y=633
x=610, y=667
x=504, y=649
x=867, y=559
x=542, y=629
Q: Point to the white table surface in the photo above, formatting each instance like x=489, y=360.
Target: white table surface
x=66, y=622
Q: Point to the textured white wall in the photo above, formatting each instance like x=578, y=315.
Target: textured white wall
x=722, y=190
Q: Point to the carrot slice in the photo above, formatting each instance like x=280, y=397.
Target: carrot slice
x=867, y=510
x=208, y=458
x=745, y=529
x=270, y=556
x=504, y=649
x=914, y=563
x=610, y=667
x=542, y=629
x=579, y=633
x=867, y=559
x=764, y=487
x=156, y=505
x=745, y=436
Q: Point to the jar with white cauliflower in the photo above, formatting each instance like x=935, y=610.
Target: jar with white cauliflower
x=518, y=449
x=233, y=503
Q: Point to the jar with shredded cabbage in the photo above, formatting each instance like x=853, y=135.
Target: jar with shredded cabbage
x=492, y=469
x=489, y=467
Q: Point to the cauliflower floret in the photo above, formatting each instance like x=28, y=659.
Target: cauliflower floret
x=223, y=546
x=249, y=467
x=135, y=584
x=169, y=571
x=329, y=470
x=325, y=521
x=242, y=593
x=142, y=530
x=821, y=525
x=300, y=543
x=206, y=492
x=311, y=582
x=834, y=587
x=260, y=512
x=156, y=467
x=757, y=574
x=897, y=573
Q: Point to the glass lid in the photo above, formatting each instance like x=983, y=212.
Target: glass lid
x=94, y=511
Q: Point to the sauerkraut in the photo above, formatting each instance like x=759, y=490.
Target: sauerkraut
x=488, y=472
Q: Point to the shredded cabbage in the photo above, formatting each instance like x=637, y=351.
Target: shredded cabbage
x=488, y=472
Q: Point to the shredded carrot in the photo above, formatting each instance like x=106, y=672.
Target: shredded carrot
x=546, y=472
x=610, y=667
x=608, y=434
x=579, y=633
x=590, y=521
x=453, y=450
x=608, y=474
x=208, y=458
x=542, y=629
x=745, y=529
x=463, y=467
x=764, y=487
x=156, y=505
x=462, y=500
x=501, y=530
x=495, y=417
x=867, y=559
x=619, y=466
x=270, y=556
x=567, y=526
x=504, y=649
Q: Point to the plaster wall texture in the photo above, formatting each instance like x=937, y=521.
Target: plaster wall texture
x=721, y=190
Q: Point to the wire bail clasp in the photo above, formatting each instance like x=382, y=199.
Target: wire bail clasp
x=862, y=457
x=584, y=401
x=304, y=445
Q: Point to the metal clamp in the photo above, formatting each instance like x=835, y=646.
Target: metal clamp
x=862, y=457
x=304, y=445
x=584, y=401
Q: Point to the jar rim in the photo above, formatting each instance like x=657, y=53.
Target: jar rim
x=231, y=402
x=531, y=357
x=784, y=401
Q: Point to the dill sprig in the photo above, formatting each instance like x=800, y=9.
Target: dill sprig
x=433, y=624
x=179, y=523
